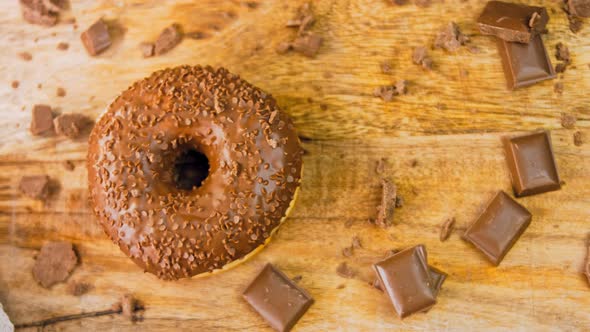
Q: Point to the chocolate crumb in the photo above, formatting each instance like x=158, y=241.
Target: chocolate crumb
x=41, y=119
x=356, y=242
x=60, y=92
x=560, y=67
x=63, y=46
x=37, y=12
x=579, y=8
x=96, y=38
x=283, y=47
x=568, y=121
x=70, y=125
x=55, y=262
x=25, y=56
x=380, y=167
x=446, y=229
x=420, y=57
x=399, y=202
x=562, y=53
x=307, y=44
x=39, y=86
x=347, y=252
x=348, y=223
x=386, y=67
x=76, y=288
x=168, y=39
x=575, y=23
x=15, y=84
x=35, y=186
x=297, y=278
x=345, y=271
x=195, y=35
x=386, y=208
x=147, y=49
x=303, y=19
x=387, y=92
x=450, y=37
x=69, y=165
x=558, y=88
x=578, y=139
x=401, y=87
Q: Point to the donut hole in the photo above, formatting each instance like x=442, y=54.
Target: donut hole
x=191, y=168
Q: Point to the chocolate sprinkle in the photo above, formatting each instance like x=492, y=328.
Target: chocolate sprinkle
x=386, y=208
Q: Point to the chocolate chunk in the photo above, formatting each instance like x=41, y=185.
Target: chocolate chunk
x=560, y=67
x=345, y=271
x=63, y=46
x=26, y=56
x=308, y=44
x=450, y=37
x=568, y=121
x=562, y=53
x=420, y=57
x=525, y=64
x=41, y=119
x=438, y=278
x=60, y=92
x=356, y=242
x=55, y=262
x=446, y=229
x=498, y=227
x=277, y=299
x=168, y=39
x=386, y=208
x=70, y=125
x=147, y=49
x=578, y=139
x=76, y=288
x=36, y=12
x=532, y=164
x=386, y=68
x=406, y=279
x=387, y=92
x=580, y=8
x=35, y=186
x=512, y=22
x=15, y=84
x=96, y=38
x=69, y=165
x=347, y=251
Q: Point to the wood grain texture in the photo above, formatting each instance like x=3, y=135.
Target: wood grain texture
x=441, y=143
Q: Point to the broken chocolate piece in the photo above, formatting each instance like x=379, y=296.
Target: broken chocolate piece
x=512, y=22
x=580, y=8
x=308, y=44
x=446, y=229
x=345, y=271
x=562, y=53
x=356, y=242
x=578, y=139
x=41, y=119
x=525, y=64
x=70, y=125
x=498, y=227
x=450, y=37
x=35, y=186
x=406, y=279
x=420, y=57
x=36, y=12
x=386, y=208
x=168, y=39
x=55, y=262
x=277, y=299
x=568, y=121
x=531, y=163
x=147, y=49
x=96, y=38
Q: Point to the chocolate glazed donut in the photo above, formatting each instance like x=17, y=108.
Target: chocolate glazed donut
x=192, y=169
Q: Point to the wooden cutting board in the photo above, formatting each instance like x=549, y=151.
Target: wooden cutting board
x=441, y=143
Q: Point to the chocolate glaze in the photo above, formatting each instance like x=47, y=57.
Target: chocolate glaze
x=254, y=160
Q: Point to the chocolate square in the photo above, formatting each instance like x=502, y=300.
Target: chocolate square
x=532, y=165
x=525, y=64
x=498, y=227
x=96, y=38
x=277, y=299
x=41, y=119
x=512, y=22
x=406, y=279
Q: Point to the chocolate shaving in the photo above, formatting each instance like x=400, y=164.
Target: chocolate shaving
x=534, y=20
x=568, y=121
x=345, y=271
x=41, y=119
x=55, y=262
x=446, y=229
x=37, y=12
x=578, y=139
x=168, y=39
x=96, y=38
x=420, y=57
x=35, y=186
x=386, y=208
x=70, y=125
x=450, y=38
